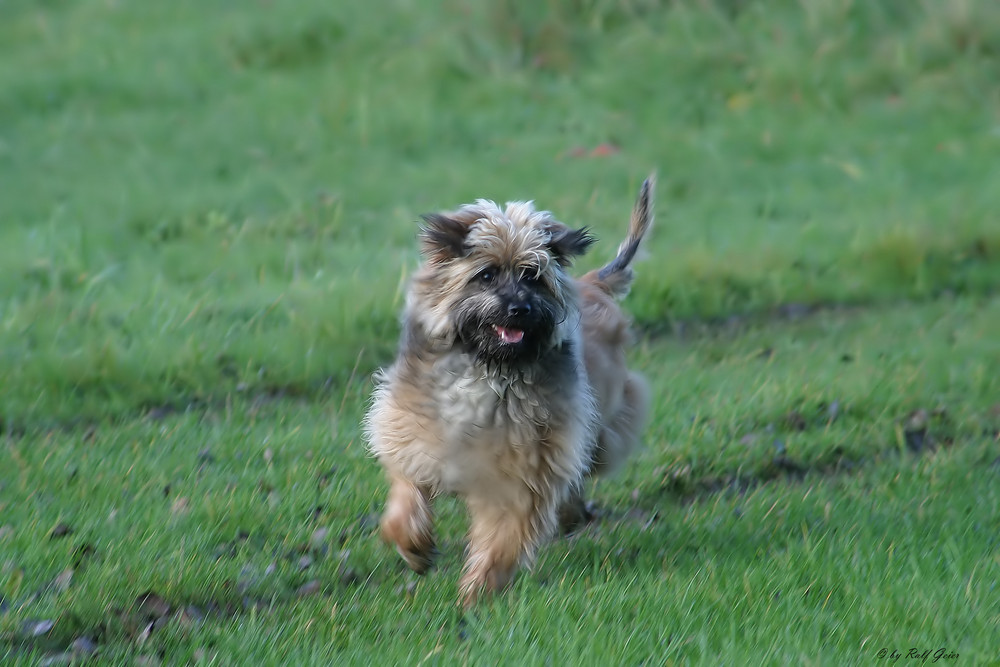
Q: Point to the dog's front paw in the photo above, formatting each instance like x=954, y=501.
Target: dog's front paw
x=408, y=525
x=418, y=561
x=483, y=577
x=417, y=547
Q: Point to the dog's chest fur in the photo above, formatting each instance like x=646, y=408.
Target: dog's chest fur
x=488, y=423
x=459, y=427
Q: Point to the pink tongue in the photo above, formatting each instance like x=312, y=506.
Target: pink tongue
x=510, y=335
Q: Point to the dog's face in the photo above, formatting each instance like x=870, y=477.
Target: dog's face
x=494, y=280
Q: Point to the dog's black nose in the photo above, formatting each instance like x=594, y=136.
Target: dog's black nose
x=518, y=308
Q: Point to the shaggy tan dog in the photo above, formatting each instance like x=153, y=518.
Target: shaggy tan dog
x=510, y=386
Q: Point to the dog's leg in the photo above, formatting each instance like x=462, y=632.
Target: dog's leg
x=408, y=523
x=574, y=513
x=503, y=536
x=500, y=539
x=620, y=433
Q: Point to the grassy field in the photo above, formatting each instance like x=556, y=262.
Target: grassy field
x=207, y=220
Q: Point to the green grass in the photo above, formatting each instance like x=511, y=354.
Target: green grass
x=207, y=217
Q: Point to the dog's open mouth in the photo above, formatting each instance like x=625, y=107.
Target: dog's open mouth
x=508, y=335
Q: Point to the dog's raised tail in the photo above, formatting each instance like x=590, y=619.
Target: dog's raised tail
x=616, y=276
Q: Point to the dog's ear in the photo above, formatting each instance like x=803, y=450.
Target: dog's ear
x=443, y=238
x=566, y=243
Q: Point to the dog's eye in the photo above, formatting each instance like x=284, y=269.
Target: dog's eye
x=487, y=275
x=530, y=278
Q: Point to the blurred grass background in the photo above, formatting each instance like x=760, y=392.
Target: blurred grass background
x=197, y=195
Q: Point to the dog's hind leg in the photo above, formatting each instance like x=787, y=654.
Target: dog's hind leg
x=408, y=523
x=619, y=435
x=574, y=513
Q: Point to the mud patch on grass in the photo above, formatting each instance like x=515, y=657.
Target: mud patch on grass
x=919, y=434
x=307, y=44
x=735, y=324
x=72, y=637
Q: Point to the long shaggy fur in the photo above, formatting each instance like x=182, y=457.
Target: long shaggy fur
x=510, y=385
